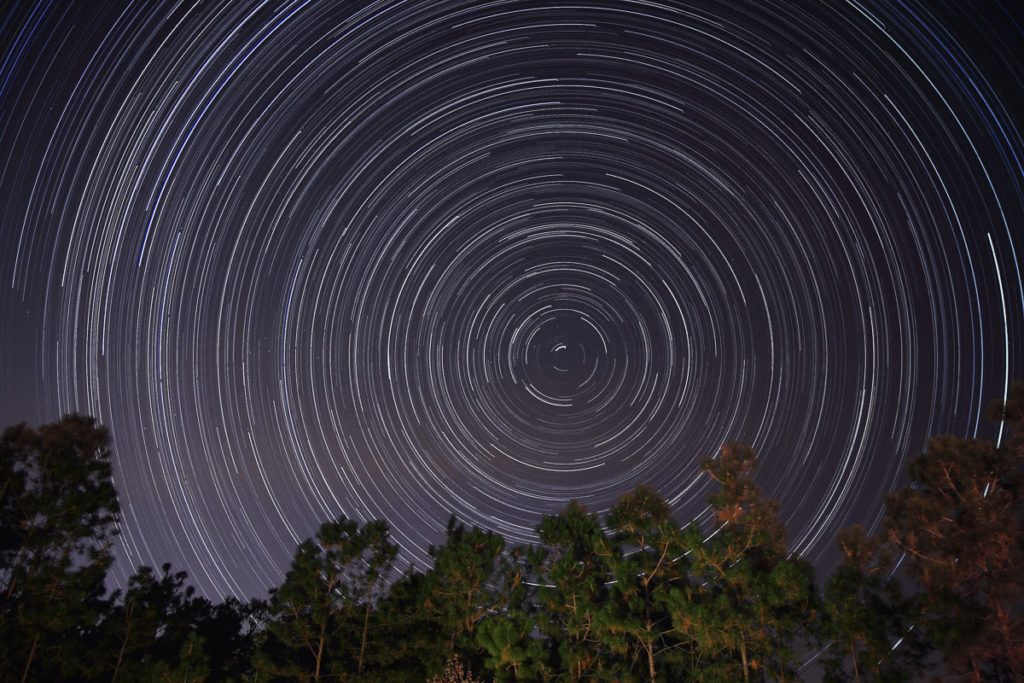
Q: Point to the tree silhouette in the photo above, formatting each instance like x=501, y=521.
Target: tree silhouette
x=573, y=576
x=58, y=514
x=751, y=603
x=412, y=644
x=627, y=598
x=460, y=589
x=868, y=617
x=319, y=616
x=647, y=556
x=158, y=628
x=960, y=525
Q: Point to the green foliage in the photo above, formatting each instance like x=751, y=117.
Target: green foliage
x=463, y=588
x=573, y=577
x=750, y=605
x=411, y=645
x=647, y=557
x=867, y=617
x=58, y=514
x=152, y=629
x=512, y=651
x=320, y=616
x=632, y=597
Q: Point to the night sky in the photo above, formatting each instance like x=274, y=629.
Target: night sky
x=405, y=259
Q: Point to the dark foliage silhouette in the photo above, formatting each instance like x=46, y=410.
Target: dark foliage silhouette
x=630, y=596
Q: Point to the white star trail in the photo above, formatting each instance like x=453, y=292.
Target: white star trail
x=400, y=260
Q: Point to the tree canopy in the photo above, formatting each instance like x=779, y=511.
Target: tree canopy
x=628, y=595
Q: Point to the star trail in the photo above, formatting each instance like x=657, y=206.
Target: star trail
x=400, y=260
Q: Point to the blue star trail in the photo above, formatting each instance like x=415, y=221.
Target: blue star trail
x=400, y=260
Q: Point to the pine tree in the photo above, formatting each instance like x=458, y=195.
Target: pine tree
x=319, y=616
x=750, y=605
x=455, y=672
x=574, y=576
x=960, y=525
x=58, y=514
x=867, y=623
x=646, y=554
x=158, y=629
x=412, y=644
x=460, y=589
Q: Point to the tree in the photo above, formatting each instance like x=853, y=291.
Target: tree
x=867, y=621
x=155, y=630
x=227, y=630
x=646, y=553
x=508, y=633
x=512, y=650
x=462, y=588
x=960, y=525
x=320, y=615
x=58, y=514
x=573, y=576
x=750, y=603
x=415, y=645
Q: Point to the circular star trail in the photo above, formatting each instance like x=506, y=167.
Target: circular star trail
x=400, y=260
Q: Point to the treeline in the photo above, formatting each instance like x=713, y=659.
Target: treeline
x=630, y=597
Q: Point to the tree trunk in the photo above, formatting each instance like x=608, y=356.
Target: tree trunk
x=743, y=658
x=650, y=626
x=320, y=649
x=35, y=641
x=120, y=653
x=28, y=663
x=366, y=625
